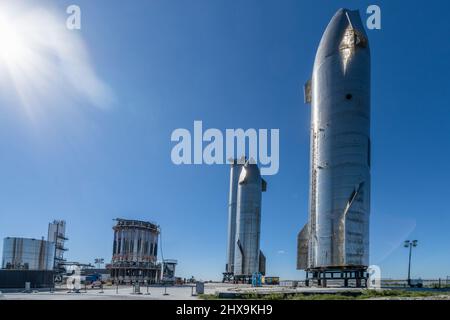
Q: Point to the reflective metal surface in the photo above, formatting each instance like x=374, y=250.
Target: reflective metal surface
x=337, y=234
x=232, y=206
x=28, y=254
x=135, y=251
x=248, y=221
x=135, y=241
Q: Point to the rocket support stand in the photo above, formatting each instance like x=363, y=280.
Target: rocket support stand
x=322, y=276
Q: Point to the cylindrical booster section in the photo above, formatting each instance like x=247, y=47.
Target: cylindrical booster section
x=235, y=172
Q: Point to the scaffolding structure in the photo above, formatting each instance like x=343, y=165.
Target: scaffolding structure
x=135, y=251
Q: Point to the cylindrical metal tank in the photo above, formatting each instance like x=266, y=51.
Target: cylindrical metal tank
x=135, y=251
x=340, y=146
x=248, y=221
x=235, y=172
x=135, y=241
x=27, y=254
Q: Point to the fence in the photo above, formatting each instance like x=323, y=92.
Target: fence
x=387, y=283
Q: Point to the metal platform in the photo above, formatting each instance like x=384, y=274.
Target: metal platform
x=227, y=277
x=343, y=277
x=236, y=279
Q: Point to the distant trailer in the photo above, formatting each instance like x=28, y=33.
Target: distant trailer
x=271, y=280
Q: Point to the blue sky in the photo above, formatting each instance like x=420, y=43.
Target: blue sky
x=232, y=65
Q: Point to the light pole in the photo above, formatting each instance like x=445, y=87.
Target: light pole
x=99, y=262
x=410, y=244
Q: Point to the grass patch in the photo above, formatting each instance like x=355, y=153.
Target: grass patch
x=301, y=296
x=366, y=294
x=208, y=296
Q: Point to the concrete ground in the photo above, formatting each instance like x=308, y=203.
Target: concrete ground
x=109, y=293
x=154, y=292
x=173, y=293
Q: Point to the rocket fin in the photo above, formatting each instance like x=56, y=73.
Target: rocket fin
x=262, y=263
x=303, y=248
x=343, y=221
x=241, y=252
x=351, y=200
x=355, y=22
x=307, y=92
x=355, y=35
x=243, y=176
x=263, y=185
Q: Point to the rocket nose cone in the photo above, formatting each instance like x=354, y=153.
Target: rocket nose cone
x=250, y=174
x=342, y=21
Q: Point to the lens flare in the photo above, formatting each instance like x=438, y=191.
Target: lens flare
x=43, y=64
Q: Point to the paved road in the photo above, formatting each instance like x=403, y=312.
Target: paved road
x=124, y=293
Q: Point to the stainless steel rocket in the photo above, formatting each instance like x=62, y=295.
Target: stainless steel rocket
x=244, y=257
x=337, y=233
x=235, y=172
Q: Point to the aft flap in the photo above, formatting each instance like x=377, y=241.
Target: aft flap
x=303, y=248
x=307, y=92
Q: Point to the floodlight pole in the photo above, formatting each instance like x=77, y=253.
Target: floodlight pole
x=409, y=265
x=410, y=244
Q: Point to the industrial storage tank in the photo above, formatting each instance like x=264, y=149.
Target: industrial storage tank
x=135, y=251
x=248, y=222
x=28, y=254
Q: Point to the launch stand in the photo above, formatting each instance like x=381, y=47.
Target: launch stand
x=245, y=279
x=227, y=277
x=231, y=278
x=346, y=276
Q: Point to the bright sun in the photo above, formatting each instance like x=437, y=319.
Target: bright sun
x=42, y=63
x=13, y=40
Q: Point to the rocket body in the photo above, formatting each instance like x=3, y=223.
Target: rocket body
x=244, y=257
x=337, y=232
x=248, y=221
x=235, y=172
